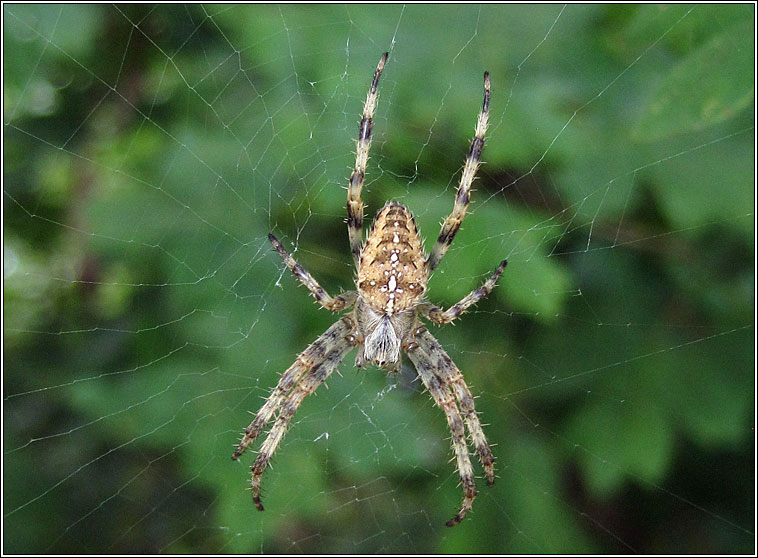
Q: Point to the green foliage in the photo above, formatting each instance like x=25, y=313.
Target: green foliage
x=149, y=150
x=699, y=100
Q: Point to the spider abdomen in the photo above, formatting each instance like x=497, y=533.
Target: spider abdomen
x=392, y=269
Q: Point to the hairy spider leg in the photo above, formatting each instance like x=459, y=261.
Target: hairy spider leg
x=451, y=375
x=343, y=339
x=354, y=202
x=453, y=222
x=439, y=316
x=429, y=374
x=316, y=354
x=334, y=304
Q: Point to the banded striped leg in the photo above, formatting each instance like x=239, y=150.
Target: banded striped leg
x=451, y=375
x=331, y=354
x=439, y=316
x=354, y=202
x=316, y=354
x=453, y=222
x=335, y=304
x=417, y=351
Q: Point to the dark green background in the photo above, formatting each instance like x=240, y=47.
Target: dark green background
x=150, y=150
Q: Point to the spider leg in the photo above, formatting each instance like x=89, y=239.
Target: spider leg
x=340, y=341
x=354, y=202
x=451, y=375
x=422, y=353
x=315, y=354
x=453, y=222
x=335, y=304
x=439, y=316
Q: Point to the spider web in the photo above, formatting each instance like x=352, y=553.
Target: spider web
x=149, y=150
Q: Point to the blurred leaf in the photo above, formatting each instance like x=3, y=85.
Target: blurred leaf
x=709, y=85
x=620, y=444
x=531, y=477
x=708, y=185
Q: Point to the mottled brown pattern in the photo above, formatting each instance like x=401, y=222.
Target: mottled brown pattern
x=384, y=317
x=391, y=273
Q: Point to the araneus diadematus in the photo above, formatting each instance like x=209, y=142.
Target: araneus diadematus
x=392, y=276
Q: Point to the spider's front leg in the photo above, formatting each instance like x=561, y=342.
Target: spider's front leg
x=314, y=366
x=314, y=355
x=443, y=379
x=451, y=375
x=444, y=399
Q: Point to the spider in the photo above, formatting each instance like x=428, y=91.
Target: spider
x=392, y=274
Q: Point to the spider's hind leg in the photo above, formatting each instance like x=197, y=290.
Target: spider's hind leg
x=354, y=202
x=439, y=316
x=453, y=222
x=333, y=303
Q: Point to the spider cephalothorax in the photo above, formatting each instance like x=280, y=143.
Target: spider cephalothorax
x=385, y=317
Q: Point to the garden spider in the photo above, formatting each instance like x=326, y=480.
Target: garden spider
x=391, y=281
